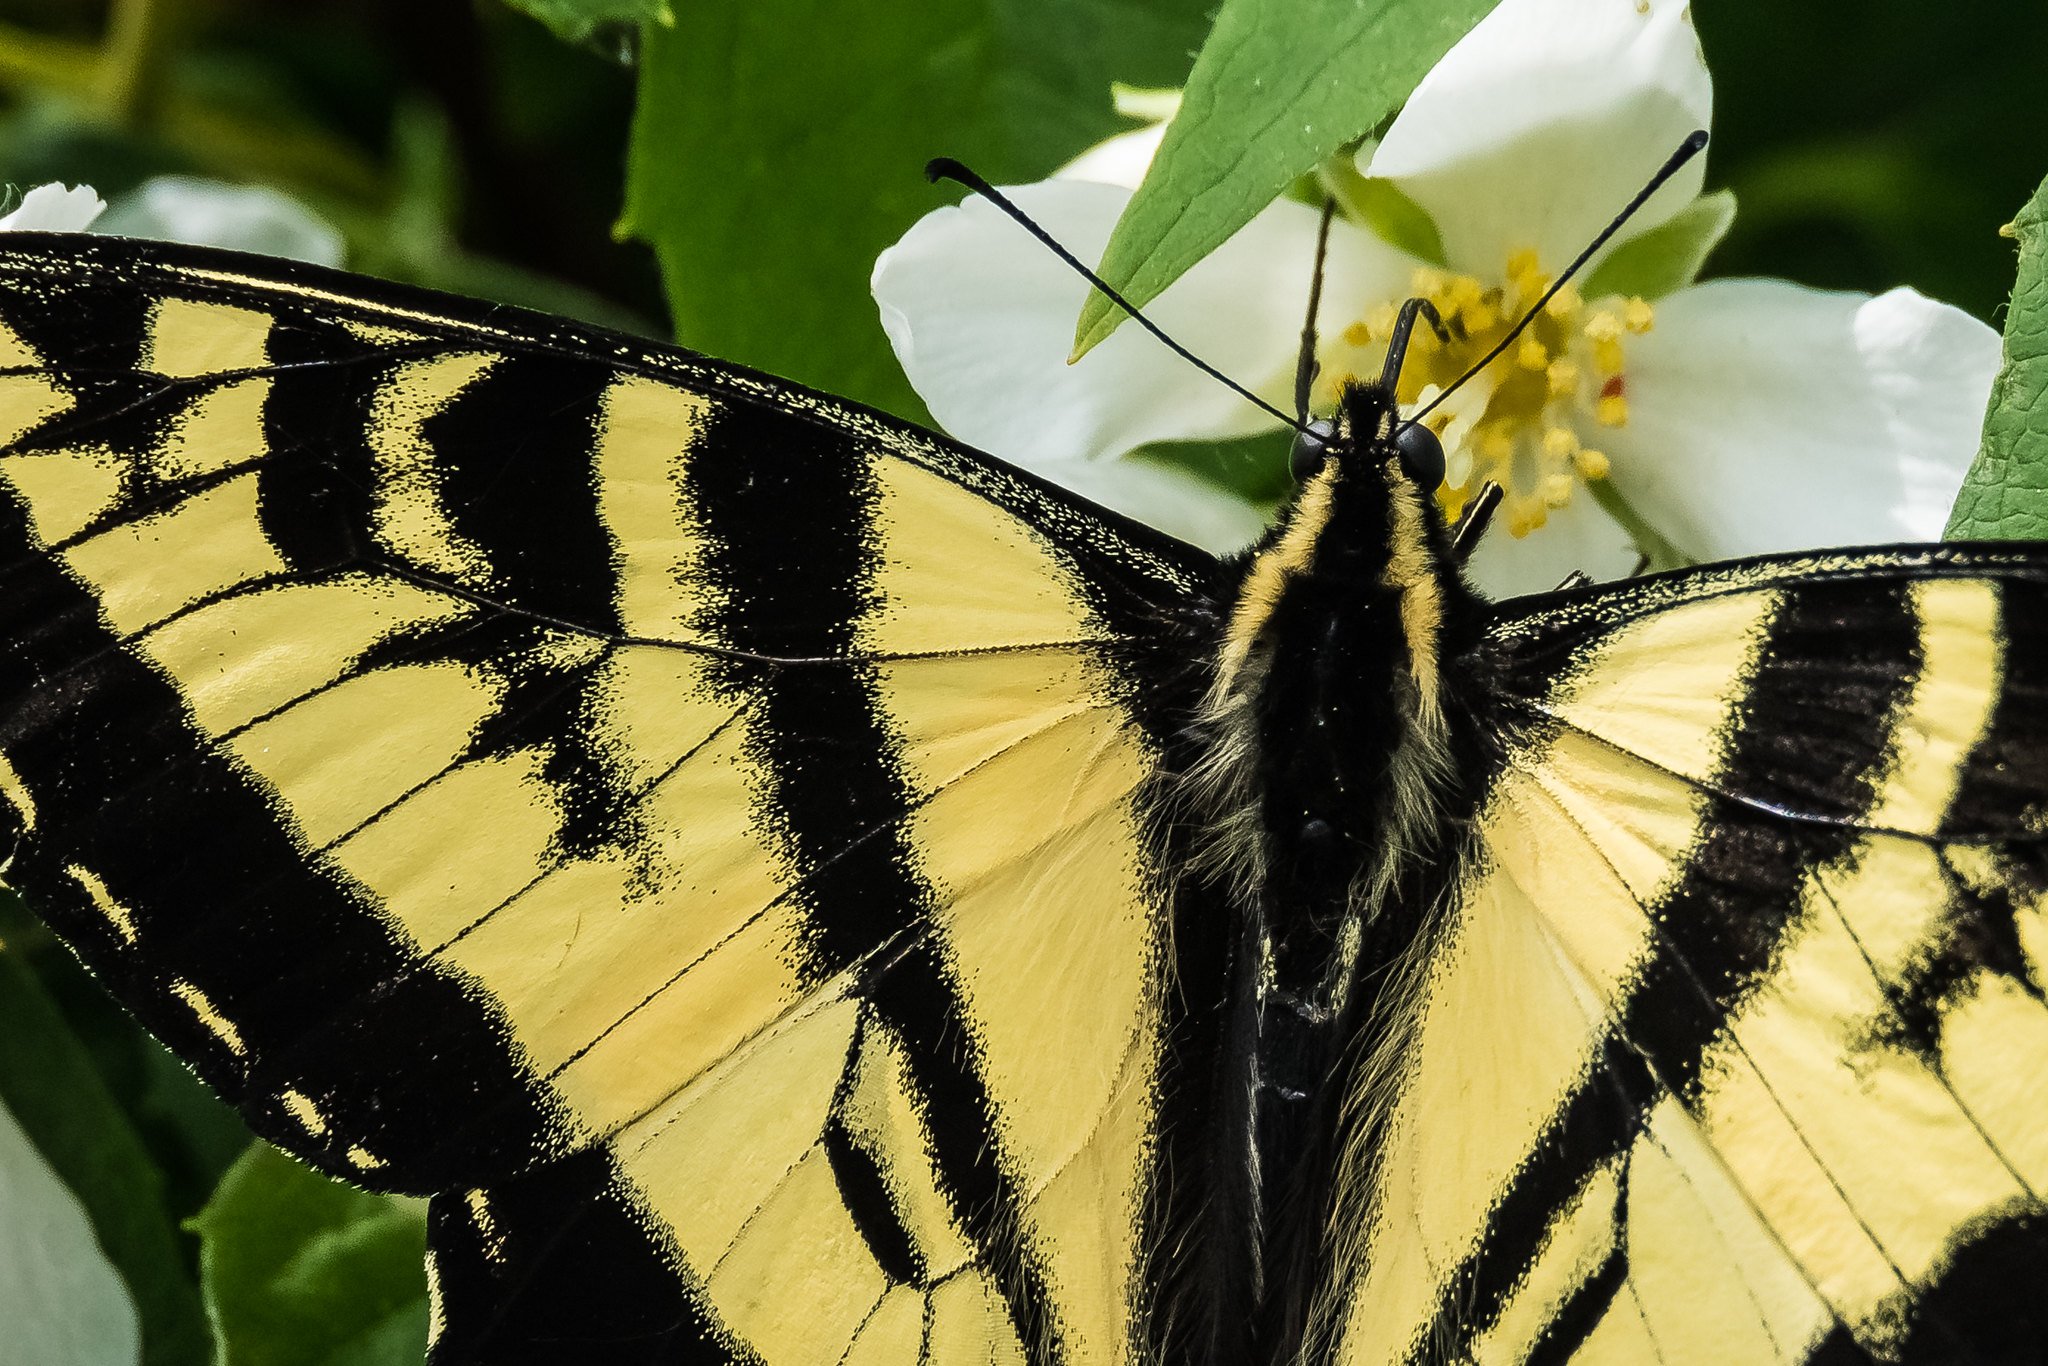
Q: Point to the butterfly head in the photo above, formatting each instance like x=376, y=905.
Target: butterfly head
x=1368, y=421
x=1363, y=534
x=1368, y=426
x=1368, y=476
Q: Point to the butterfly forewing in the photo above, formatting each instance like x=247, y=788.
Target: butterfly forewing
x=695, y=829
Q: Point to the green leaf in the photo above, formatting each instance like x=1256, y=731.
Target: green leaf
x=48, y=1080
x=1668, y=257
x=1379, y=204
x=1252, y=467
x=300, y=1270
x=1657, y=552
x=779, y=147
x=574, y=21
x=1279, y=86
x=2005, y=495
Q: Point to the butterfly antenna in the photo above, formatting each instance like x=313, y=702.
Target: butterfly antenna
x=945, y=168
x=1687, y=150
x=1305, y=363
x=1397, y=341
x=1472, y=521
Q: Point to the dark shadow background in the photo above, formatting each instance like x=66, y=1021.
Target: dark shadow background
x=1877, y=144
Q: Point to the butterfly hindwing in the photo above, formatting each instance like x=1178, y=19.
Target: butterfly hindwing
x=693, y=827
x=1745, y=971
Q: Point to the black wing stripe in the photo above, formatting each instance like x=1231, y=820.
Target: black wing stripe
x=513, y=454
x=316, y=486
x=1583, y=1309
x=1999, y=791
x=790, y=568
x=1598, y=1122
x=608, y=1292
x=1721, y=927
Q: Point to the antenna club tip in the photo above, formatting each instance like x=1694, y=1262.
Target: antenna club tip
x=1697, y=140
x=940, y=168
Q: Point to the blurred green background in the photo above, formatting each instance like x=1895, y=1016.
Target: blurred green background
x=728, y=178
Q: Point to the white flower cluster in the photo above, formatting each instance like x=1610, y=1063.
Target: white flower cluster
x=1733, y=417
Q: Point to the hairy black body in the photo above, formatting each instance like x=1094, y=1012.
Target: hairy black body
x=1328, y=804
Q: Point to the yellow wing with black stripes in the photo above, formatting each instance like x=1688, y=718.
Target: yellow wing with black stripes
x=692, y=828
x=1732, y=1047
x=796, y=891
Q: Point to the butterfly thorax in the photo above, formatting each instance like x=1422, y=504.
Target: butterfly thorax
x=1328, y=760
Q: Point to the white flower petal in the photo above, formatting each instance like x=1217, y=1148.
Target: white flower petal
x=1579, y=536
x=1172, y=500
x=1764, y=416
x=1122, y=160
x=982, y=319
x=52, y=208
x=62, y=1301
x=1545, y=120
x=213, y=213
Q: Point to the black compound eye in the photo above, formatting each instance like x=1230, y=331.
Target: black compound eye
x=1309, y=449
x=1422, y=455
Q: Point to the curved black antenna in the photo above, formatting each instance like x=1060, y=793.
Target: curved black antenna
x=1305, y=362
x=1687, y=150
x=1397, y=342
x=1472, y=521
x=945, y=168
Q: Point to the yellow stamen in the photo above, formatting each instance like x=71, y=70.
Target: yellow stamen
x=1521, y=425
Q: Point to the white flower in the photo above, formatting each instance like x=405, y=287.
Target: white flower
x=1730, y=418
x=214, y=213
x=52, y=208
